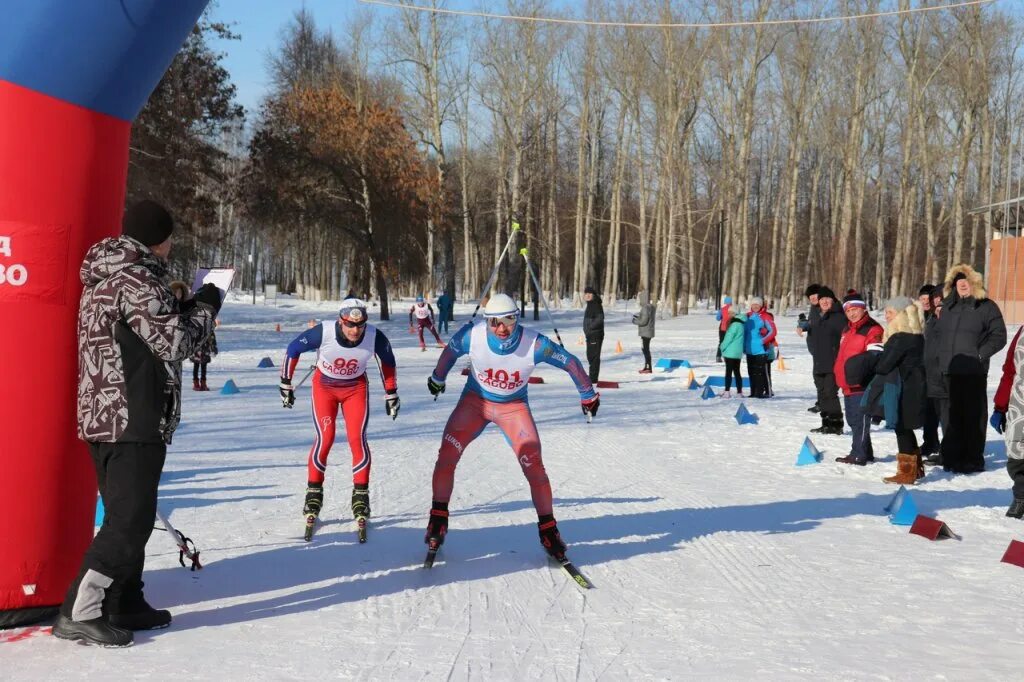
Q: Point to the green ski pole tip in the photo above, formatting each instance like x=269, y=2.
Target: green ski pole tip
x=524, y=252
x=515, y=226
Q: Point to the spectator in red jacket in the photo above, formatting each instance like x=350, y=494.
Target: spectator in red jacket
x=771, y=344
x=861, y=332
x=724, y=317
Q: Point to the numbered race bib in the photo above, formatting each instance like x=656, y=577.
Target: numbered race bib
x=502, y=375
x=340, y=363
x=422, y=312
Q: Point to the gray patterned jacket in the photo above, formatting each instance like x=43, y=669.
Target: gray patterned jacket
x=132, y=337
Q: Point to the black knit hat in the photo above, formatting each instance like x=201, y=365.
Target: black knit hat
x=589, y=290
x=147, y=222
x=926, y=290
x=812, y=290
x=825, y=292
x=853, y=300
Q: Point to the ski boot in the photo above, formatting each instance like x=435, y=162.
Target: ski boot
x=550, y=537
x=1016, y=509
x=437, y=528
x=196, y=386
x=203, y=386
x=361, y=508
x=311, y=509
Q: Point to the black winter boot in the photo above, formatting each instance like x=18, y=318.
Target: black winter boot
x=437, y=525
x=1016, y=509
x=96, y=631
x=314, y=499
x=360, y=501
x=144, y=618
x=550, y=537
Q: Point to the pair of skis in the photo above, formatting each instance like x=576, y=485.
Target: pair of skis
x=362, y=523
x=433, y=545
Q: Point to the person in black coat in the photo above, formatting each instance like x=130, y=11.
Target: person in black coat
x=823, y=335
x=593, y=330
x=969, y=332
x=930, y=446
x=935, y=381
x=803, y=325
x=899, y=389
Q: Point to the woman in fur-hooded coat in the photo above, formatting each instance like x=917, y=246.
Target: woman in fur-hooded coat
x=969, y=332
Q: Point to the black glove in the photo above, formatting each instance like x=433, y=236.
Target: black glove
x=802, y=317
x=210, y=295
x=287, y=392
x=436, y=388
x=590, y=406
x=998, y=421
x=391, y=405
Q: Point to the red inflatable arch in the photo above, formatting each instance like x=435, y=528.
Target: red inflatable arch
x=73, y=76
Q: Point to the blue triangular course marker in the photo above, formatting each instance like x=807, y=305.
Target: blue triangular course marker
x=902, y=508
x=229, y=388
x=707, y=393
x=745, y=416
x=669, y=364
x=694, y=386
x=99, y=512
x=266, y=362
x=809, y=454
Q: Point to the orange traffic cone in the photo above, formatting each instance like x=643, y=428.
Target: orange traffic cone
x=216, y=323
x=618, y=346
x=580, y=341
x=277, y=327
x=690, y=379
x=782, y=364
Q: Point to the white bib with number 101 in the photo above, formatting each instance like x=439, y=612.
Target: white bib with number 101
x=502, y=375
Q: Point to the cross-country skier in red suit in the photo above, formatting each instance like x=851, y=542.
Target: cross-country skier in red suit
x=502, y=356
x=344, y=349
x=423, y=314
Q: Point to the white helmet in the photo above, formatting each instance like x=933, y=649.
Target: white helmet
x=501, y=305
x=353, y=310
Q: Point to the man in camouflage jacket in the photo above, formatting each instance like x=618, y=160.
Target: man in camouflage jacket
x=132, y=337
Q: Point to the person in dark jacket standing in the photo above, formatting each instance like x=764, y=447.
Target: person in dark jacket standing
x=936, y=384
x=969, y=332
x=900, y=366
x=861, y=332
x=930, y=446
x=803, y=326
x=644, y=320
x=593, y=330
x=132, y=337
x=445, y=306
x=823, y=335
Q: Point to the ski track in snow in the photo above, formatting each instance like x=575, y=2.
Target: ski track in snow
x=713, y=555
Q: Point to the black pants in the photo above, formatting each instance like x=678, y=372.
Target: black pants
x=199, y=371
x=828, y=395
x=718, y=352
x=860, y=424
x=442, y=322
x=647, y=351
x=768, y=374
x=594, y=356
x=1015, y=467
x=732, y=369
x=963, y=437
x=906, y=441
x=757, y=372
x=128, y=475
x=931, y=426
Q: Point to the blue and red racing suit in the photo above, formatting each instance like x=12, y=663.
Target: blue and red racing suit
x=339, y=380
x=496, y=392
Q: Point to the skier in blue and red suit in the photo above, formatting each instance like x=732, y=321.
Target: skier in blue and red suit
x=344, y=349
x=502, y=356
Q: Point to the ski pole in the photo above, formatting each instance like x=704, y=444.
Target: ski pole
x=185, y=546
x=540, y=292
x=303, y=380
x=497, y=264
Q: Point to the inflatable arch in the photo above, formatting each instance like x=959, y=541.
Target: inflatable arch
x=73, y=76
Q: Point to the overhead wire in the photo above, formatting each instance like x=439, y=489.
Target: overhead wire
x=692, y=25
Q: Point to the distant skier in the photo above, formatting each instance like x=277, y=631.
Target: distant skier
x=345, y=346
x=502, y=356
x=423, y=314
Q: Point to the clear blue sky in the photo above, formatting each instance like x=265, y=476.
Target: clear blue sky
x=260, y=23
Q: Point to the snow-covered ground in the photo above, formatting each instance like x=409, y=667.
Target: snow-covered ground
x=713, y=555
